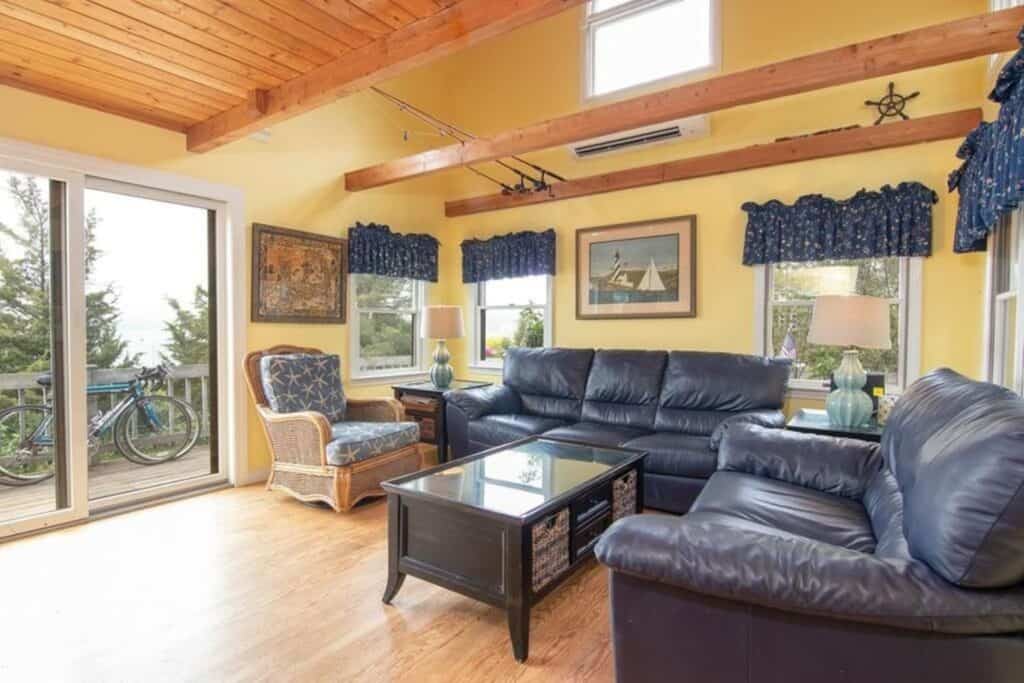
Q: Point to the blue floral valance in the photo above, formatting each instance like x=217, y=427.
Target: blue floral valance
x=516, y=255
x=374, y=249
x=991, y=179
x=895, y=221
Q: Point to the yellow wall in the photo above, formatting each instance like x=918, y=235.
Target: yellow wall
x=532, y=74
x=543, y=81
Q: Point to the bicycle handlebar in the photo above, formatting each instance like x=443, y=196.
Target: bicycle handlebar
x=156, y=372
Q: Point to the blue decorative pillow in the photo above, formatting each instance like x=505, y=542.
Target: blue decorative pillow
x=302, y=381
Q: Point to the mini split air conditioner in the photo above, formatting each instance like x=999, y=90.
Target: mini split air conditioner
x=680, y=129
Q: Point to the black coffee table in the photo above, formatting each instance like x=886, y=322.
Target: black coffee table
x=508, y=525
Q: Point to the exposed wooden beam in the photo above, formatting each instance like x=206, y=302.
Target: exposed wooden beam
x=920, y=48
x=465, y=23
x=850, y=141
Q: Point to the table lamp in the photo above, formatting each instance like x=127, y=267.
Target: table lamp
x=442, y=323
x=850, y=321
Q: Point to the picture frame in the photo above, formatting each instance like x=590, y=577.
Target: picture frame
x=644, y=269
x=298, y=276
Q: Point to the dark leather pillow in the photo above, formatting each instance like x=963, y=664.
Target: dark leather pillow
x=956, y=447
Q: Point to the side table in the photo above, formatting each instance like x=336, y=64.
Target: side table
x=424, y=403
x=816, y=422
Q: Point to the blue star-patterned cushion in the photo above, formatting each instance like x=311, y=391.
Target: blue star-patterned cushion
x=357, y=441
x=302, y=381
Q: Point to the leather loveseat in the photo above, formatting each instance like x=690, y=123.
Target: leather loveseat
x=675, y=405
x=811, y=558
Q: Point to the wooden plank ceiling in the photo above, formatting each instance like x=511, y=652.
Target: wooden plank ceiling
x=179, y=64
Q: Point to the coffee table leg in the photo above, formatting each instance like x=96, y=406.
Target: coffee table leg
x=395, y=577
x=519, y=630
x=517, y=598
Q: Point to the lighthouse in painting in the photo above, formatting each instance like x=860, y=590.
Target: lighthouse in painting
x=638, y=270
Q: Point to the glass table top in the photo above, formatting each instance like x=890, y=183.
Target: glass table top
x=516, y=480
x=456, y=384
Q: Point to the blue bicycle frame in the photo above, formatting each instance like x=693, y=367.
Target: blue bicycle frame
x=43, y=436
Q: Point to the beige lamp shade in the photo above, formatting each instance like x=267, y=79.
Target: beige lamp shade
x=443, y=322
x=861, y=321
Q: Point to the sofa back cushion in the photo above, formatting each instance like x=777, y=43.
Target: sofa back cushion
x=623, y=388
x=956, y=447
x=297, y=382
x=719, y=382
x=550, y=382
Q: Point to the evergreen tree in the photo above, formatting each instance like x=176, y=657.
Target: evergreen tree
x=25, y=290
x=189, y=331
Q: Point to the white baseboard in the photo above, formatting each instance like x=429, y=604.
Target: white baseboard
x=255, y=477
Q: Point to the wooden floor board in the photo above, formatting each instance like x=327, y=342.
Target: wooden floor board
x=247, y=585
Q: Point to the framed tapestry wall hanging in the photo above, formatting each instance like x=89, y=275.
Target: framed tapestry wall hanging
x=646, y=269
x=297, y=277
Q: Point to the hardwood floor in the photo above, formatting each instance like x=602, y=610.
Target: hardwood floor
x=246, y=585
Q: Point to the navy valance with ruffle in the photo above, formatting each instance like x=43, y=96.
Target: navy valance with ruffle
x=991, y=179
x=516, y=255
x=895, y=221
x=375, y=250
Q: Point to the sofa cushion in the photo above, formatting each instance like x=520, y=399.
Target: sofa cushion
x=498, y=429
x=623, y=388
x=356, y=441
x=297, y=382
x=789, y=508
x=596, y=434
x=696, y=380
x=702, y=422
x=956, y=447
x=550, y=382
x=677, y=454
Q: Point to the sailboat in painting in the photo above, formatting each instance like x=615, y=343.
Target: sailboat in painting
x=651, y=281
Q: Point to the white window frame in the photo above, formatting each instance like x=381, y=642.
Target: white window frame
x=592, y=20
x=418, y=349
x=909, y=298
x=80, y=171
x=479, y=303
x=994, y=350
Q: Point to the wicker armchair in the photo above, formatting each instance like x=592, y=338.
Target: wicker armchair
x=299, y=441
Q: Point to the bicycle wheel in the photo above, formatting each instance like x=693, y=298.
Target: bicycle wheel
x=156, y=429
x=26, y=445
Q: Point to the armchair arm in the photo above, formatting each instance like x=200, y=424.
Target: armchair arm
x=763, y=418
x=476, y=403
x=714, y=555
x=842, y=467
x=374, y=410
x=297, y=438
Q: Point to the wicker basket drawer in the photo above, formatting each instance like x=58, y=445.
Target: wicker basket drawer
x=624, y=495
x=550, y=538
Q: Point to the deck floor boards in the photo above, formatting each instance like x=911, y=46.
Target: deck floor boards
x=105, y=479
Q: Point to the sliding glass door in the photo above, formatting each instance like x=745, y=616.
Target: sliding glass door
x=151, y=310
x=34, y=464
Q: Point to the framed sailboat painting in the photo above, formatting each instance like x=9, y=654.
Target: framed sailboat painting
x=637, y=270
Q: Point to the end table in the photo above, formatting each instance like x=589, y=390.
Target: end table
x=424, y=403
x=816, y=422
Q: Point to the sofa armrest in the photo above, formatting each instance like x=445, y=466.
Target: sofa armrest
x=374, y=410
x=841, y=467
x=774, y=419
x=297, y=438
x=490, y=400
x=710, y=554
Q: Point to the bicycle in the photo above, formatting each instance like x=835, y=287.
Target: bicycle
x=148, y=429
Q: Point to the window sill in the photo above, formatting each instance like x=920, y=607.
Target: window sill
x=486, y=369
x=389, y=377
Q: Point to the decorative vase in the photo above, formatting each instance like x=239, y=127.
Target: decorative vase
x=441, y=373
x=848, y=405
x=885, y=406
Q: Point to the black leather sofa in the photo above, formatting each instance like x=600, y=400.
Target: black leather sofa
x=675, y=405
x=810, y=558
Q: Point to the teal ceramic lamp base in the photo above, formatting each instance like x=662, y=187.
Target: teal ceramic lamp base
x=441, y=374
x=848, y=405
